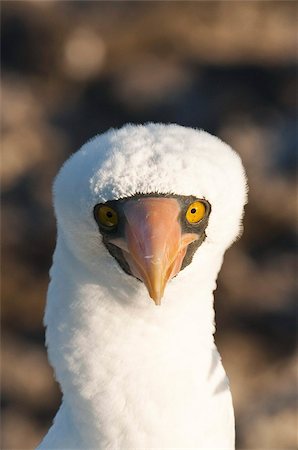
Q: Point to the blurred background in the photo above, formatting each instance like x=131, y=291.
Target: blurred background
x=73, y=69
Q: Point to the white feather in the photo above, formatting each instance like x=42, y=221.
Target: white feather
x=133, y=375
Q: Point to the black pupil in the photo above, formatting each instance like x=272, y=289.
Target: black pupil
x=109, y=214
x=193, y=210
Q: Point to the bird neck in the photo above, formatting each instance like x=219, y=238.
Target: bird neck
x=102, y=329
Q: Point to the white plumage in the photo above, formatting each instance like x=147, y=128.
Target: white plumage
x=133, y=375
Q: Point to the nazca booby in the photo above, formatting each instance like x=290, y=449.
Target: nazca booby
x=143, y=211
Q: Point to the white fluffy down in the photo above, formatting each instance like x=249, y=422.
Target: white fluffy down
x=134, y=375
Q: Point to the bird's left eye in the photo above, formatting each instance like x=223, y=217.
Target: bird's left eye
x=106, y=216
x=195, y=212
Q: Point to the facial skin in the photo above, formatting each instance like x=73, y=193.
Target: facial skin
x=153, y=236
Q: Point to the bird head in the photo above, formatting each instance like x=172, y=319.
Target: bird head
x=153, y=236
x=146, y=198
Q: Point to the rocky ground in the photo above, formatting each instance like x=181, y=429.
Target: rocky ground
x=73, y=69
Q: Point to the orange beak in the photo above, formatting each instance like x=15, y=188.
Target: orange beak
x=154, y=246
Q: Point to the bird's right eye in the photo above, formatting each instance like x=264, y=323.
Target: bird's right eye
x=106, y=216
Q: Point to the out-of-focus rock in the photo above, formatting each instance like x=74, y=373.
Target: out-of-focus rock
x=264, y=393
x=28, y=384
x=19, y=430
x=84, y=54
x=28, y=140
x=269, y=286
x=273, y=195
x=26, y=375
x=19, y=105
x=151, y=81
x=269, y=419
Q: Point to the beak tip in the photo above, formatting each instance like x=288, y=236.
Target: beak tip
x=157, y=299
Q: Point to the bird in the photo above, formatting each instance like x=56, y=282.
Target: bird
x=144, y=216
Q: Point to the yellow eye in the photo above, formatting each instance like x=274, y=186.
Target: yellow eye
x=195, y=212
x=107, y=216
